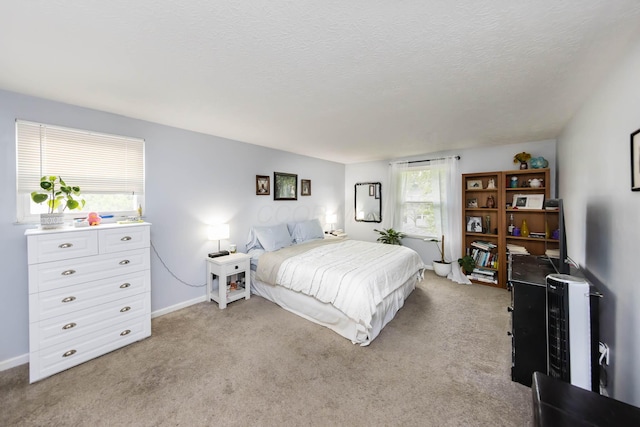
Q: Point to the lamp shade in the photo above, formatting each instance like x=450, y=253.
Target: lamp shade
x=331, y=218
x=218, y=232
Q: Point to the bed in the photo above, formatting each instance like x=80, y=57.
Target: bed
x=351, y=287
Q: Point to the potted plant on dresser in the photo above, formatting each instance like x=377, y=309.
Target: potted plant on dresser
x=59, y=196
x=441, y=267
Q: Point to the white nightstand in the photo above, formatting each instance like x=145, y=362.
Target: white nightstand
x=225, y=272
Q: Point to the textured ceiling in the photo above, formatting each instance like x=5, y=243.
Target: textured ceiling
x=348, y=81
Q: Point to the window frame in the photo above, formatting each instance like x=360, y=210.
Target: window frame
x=24, y=204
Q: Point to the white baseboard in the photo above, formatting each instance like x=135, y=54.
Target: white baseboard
x=13, y=362
x=24, y=358
x=177, y=307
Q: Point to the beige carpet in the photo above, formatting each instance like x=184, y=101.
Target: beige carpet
x=443, y=361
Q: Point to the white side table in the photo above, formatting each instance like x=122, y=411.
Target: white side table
x=228, y=278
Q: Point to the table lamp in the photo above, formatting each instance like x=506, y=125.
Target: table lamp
x=218, y=232
x=331, y=219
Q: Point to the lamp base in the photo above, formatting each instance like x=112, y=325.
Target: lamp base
x=217, y=254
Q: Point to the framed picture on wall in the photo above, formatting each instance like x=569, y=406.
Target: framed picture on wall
x=305, y=187
x=263, y=187
x=635, y=161
x=285, y=186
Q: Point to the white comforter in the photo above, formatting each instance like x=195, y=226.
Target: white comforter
x=352, y=275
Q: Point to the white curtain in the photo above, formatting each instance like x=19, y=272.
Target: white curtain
x=391, y=202
x=451, y=214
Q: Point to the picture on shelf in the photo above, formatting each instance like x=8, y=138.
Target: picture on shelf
x=528, y=201
x=472, y=203
x=474, y=184
x=474, y=224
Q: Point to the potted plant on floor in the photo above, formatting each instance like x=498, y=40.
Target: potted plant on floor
x=59, y=196
x=390, y=236
x=467, y=263
x=441, y=267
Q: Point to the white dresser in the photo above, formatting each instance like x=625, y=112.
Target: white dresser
x=89, y=293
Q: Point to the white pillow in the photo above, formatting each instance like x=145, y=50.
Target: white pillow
x=252, y=240
x=303, y=231
x=273, y=237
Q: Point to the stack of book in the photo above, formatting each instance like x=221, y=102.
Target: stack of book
x=482, y=253
x=516, y=249
x=483, y=275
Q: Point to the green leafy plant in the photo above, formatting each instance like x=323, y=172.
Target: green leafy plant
x=467, y=263
x=521, y=157
x=63, y=195
x=440, y=248
x=390, y=236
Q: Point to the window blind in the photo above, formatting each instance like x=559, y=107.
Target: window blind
x=97, y=163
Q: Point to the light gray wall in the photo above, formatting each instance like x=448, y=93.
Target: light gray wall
x=191, y=180
x=602, y=214
x=472, y=160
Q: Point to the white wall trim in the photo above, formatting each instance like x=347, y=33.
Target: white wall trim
x=16, y=361
x=24, y=358
x=176, y=307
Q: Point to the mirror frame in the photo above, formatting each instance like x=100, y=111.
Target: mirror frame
x=378, y=196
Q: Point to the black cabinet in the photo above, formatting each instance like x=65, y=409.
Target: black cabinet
x=528, y=316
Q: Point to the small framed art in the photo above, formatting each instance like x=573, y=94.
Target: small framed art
x=305, y=187
x=635, y=161
x=528, y=201
x=285, y=186
x=263, y=187
x=474, y=224
x=474, y=184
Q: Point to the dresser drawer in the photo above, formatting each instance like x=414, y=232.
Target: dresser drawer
x=67, y=327
x=58, y=274
x=123, y=239
x=57, y=246
x=46, y=362
x=56, y=302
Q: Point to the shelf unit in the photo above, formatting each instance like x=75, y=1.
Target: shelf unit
x=478, y=189
x=542, y=220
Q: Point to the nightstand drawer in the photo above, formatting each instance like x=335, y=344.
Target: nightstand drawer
x=58, y=274
x=44, y=363
x=123, y=239
x=88, y=321
x=57, y=302
x=58, y=246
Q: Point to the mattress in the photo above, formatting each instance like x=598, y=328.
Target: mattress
x=354, y=288
x=329, y=316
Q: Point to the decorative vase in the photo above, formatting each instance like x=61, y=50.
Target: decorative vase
x=51, y=220
x=442, y=269
x=524, y=230
x=524, y=165
x=487, y=224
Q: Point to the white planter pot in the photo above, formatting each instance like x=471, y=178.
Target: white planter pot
x=441, y=269
x=54, y=220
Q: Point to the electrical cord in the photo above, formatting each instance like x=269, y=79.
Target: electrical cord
x=170, y=272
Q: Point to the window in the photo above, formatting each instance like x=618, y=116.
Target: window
x=109, y=169
x=421, y=198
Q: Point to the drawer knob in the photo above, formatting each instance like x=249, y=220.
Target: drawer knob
x=126, y=238
x=68, y=272
x=125, y=332
x=68, y=299
x=124, y=262
x=69, y=353
x=237, y=267
x=125, y=309
x=65, y=245
x=125, y=285
x=69, y=326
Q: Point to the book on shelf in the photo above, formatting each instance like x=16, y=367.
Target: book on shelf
x=517, y=249
x=485, y=246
